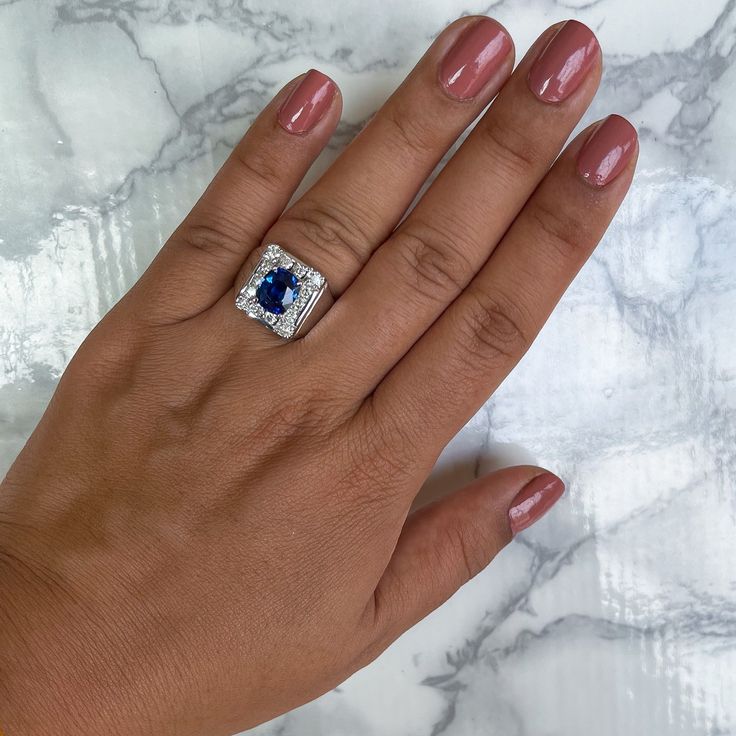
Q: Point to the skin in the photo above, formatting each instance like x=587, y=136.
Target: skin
x=189, y=547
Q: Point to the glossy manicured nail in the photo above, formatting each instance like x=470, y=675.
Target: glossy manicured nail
x=564, y=62
x=605, y=154
x=307, y=103
x=534, y=501
x=474, y=58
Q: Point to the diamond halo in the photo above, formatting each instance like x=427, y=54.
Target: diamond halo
x=311, y=284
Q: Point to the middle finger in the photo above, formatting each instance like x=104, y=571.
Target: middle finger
x=454, y=228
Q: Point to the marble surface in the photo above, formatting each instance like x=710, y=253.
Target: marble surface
x=617, y=613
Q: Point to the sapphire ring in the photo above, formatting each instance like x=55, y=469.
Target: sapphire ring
x=281, y=292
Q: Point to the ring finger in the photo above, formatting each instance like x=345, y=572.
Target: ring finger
x=454, y=228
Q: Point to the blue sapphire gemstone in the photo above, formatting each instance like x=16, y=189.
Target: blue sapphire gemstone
x=278, y=290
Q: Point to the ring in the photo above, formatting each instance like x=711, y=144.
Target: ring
x=281, y=292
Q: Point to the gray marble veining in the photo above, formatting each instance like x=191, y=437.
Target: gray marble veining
x=617, y=613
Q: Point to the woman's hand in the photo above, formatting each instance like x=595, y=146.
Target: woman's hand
x=211, y=526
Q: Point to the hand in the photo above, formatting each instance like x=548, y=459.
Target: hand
x=211, y=526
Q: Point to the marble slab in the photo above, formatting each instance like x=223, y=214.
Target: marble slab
x=617, y=613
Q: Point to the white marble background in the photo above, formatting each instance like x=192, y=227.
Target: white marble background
x=617, y=613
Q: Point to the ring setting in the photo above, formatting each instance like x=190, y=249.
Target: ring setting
x=281, y=292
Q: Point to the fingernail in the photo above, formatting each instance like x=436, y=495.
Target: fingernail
x=564, y=62
x=534, y=501
x=474, y=58
x=605, y=154
x=307, y=103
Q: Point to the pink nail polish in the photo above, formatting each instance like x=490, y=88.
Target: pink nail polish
x=534, y=501
x=605, y=154
x=474, y=58
x=307, y=103
x=564, y=62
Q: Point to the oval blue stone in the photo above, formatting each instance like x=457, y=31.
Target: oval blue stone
x=278, y=290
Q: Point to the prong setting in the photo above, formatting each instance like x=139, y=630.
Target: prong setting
x=308, y=284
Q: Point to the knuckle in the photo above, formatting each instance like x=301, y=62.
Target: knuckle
x=101, y=361
x=492, y=327
x=362, y=499
x=382, y=447
x=259, y=166
x=362, y=494
x=305, y=418
x=411, y=132
x=212, y=229
x=565, y=234
x=330, y=231
x=395, y=442
x=511, y=149
x=434, y=259
x=381, y=458
x=308, y=417
x=466, y=548
x=214, y=237
x=284, y=422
